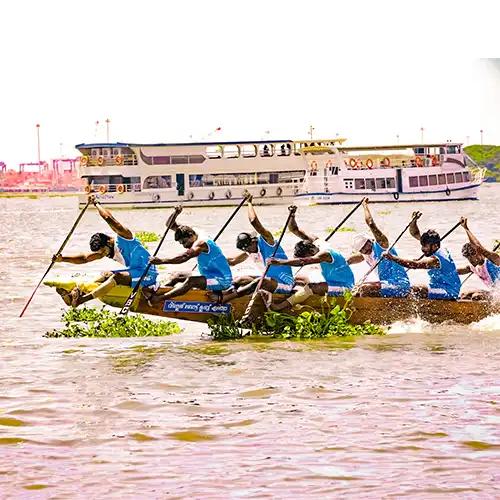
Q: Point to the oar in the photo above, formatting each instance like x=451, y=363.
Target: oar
x=126, y=307
x=78, y=219
x=497, y=246
x=248, y=310
x=414, y=218
x=441, y=239
x=231, y=217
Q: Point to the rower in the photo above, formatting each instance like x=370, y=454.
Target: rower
x=444, y=281
x=125, y=249
x=393, y=279
x=337, y=277
x=279, y=279
x=482, y=262
x=215, y=273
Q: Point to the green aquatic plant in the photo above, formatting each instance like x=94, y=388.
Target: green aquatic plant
x=343, y=229
x=89, y=322
x=225, y=327
x=147, y=236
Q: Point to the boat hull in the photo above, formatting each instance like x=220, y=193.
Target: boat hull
x=195, y=306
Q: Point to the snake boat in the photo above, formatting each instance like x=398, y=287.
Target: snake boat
x=196, y=306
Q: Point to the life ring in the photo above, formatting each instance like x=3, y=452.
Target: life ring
x=155, y=197
x=296, y=191
x=353, y=163
x=84, y=160
x=279, y=191
x=386, y=162
x=329, y=164
x=100, y=161
x=190, y=195
x=211, y=196
x=359, y=163
x=263, y=192
x=396, y=196
x=419, y=161
x=119, y=160
x=435, y=160
x=88, y=189
x=120, y=188
x=102, y=189
x=313, y=166
x=447, y=192
x=229, y=194
x=369, y=163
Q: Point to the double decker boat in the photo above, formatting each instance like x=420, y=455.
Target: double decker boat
x=315, y=171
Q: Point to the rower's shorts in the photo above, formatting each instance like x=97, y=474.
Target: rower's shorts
x=218, y=284
x=284, y=288
x=336, y=291
x=391, y=290
x=440, y=294
x=150, y=280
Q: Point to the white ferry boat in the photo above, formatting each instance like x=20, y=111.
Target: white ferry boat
x=275, y=172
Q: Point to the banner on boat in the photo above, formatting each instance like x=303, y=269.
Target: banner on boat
x=196, y=307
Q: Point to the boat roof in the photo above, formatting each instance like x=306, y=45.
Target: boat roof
x=402, y=146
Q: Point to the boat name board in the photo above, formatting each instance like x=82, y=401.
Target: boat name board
x=196, y=307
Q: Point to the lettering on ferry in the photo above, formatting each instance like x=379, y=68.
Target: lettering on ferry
x=196, y=307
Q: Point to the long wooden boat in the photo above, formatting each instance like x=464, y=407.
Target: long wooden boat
x=195, y=306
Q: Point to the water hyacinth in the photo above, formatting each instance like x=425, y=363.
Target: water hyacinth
x=147, y=236
x=89, y=322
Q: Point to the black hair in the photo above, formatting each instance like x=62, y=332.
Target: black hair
x=305, y=249
x=244, y=240
x=430, y=237
x=468, y=250
x=98, y=241
x=183, y=232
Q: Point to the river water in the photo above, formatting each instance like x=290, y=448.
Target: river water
x=414, y=413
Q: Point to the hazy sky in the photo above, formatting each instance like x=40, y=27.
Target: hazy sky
x=163, y=71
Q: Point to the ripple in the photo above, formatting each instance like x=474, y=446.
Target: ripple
x=191, y=436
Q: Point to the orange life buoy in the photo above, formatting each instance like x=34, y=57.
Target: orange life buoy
x=314, y=166
x=359, y=163
x=84, y=160
x=435, y=160
x=100, y=161
x=419, y=161
x=88, y=188
x=329, y=164
x=119, y=159
x=352, y=163
x=369, y=163
x=386, y=162
x=102, y=189
x=120, y=188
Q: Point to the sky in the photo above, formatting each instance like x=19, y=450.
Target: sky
x=168, y=71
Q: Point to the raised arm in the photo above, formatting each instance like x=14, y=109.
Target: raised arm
x=172, y=218
x=300, y=233
x=490, y=255
x=380, y=237
x=414, y=230
x=116, y=226
x=254, y=220
x=237, y=259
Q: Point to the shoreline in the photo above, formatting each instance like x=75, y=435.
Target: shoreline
x=37, y=194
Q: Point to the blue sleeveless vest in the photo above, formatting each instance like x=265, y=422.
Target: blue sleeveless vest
x=338, y=272
x=390, y=271
x=214, y=264
x=446, y=276
x=282, y=274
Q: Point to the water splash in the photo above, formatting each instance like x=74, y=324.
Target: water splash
x=413, y=325
x=489, y=324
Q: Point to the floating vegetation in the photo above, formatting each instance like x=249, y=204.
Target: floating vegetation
x=343, y=229
x=277, y=233
x=147, y=236
x=89, y=322
x=331, y=322
x=383, y=212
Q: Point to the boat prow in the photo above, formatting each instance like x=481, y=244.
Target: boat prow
x=196, y=306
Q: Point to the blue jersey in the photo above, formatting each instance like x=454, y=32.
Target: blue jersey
x=445, y=277
x=136, y=258
x=337, y=272
x=282, y=274
x=390, y=271
x=214, y=264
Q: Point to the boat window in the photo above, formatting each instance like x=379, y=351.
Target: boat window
x=458, y=177
x=450, y=179
x=370, y=184
x=359, y=183
x=284, y=149
x=157, y=182
x=466, y=177
x=391, y=182
x=451, y=150
x=266, y=150
x=419, y=151
x=214, y=151
x=196, y=158
x=433, y=180
x=231, y=152
x=178, y=160
x=233, y=179
x=441, y=179
x=381, y=184
x=249, y=151
x=297, y=147
x=413, y=182
x=106, y=152
x=423, y=181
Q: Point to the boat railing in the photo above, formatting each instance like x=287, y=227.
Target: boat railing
x=107, y=161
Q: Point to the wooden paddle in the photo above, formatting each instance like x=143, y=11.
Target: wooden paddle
x=497, y=246
x=231, y=217
x=78, y=219
x=128, y=303
x=248, y=310
x=414, y=218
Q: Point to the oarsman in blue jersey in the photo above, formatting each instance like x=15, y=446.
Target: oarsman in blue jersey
x=124, y=248
x=482, y=262
x=279, y=279
x=336, y=274
x=444, y=282
x=393, y=280
x=215, y=273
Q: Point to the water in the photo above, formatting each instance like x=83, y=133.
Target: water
x=414, y=413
